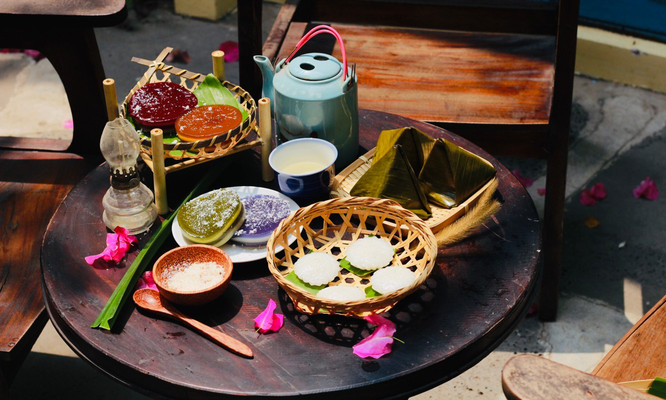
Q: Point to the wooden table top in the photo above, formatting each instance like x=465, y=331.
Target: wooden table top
x=479, y=291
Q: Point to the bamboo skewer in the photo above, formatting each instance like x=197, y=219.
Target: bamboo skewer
x=110, y=99
x=218, y=64
x=159, y=173
x=266, y=135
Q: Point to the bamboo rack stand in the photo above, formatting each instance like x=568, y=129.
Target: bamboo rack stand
x=163, y=158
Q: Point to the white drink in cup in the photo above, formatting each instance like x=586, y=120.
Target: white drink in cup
x=304, y=167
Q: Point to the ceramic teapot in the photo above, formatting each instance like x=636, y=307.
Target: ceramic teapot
x=314, y=95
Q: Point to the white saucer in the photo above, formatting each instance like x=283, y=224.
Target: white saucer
x=238, y=253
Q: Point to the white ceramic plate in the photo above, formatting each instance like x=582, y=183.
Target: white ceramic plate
x=238, y=253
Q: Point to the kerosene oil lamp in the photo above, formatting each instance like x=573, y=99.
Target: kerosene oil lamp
x=128, y=202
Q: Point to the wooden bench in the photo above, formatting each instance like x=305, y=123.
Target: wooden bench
x=637, y=357
x=36, y=174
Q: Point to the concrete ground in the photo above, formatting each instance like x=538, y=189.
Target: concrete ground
x=612, y=273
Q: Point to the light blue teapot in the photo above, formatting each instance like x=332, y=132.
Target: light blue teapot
x=314, y=95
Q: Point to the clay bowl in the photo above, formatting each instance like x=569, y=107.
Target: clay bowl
x=185, y=274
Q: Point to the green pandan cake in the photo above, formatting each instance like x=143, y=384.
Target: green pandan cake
x=211, y=218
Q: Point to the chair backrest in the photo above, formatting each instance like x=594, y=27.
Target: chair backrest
x=548, y=30
x=63, y=31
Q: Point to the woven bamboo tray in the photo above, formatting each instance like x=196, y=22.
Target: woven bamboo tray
x=331, y=226
x=215, y=147
x=441, y=217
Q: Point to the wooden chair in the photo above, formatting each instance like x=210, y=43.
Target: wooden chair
x=499, y=73
x=637, y=358
x=36, y=174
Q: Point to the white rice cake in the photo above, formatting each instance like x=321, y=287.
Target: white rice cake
x=390, y=279
x=317, y=268
x=342, y=293
x=369, y=253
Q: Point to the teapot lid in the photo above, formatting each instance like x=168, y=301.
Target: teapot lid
x=314, y=67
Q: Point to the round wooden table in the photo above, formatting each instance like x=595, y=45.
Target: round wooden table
x=479, y=291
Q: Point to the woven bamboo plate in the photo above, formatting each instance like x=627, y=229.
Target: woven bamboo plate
x=331, y=226
x=158, y=71
x=441, y=217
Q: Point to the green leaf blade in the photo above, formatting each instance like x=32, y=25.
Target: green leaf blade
x=212, y=91
x=125, y=287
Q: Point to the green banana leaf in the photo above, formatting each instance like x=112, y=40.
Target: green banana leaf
x=451, y=174
x=412, y=168
x=392, y=177
x=212, y=91
x=415, y=144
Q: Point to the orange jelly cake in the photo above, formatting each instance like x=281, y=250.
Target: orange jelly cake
x=206, y=122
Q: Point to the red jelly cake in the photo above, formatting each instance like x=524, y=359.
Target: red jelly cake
x=160, y=104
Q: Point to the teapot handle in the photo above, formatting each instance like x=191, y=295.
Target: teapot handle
x=316, y=31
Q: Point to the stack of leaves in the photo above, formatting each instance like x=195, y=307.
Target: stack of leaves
x=414, y=169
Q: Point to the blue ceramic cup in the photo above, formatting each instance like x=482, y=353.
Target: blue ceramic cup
x=304, y=168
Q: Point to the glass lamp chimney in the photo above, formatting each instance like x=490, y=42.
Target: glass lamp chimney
x=128, y=202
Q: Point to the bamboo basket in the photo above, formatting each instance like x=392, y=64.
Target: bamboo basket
x=200, y=150
x=331, y=226
x=441, y=217
x=163, y=158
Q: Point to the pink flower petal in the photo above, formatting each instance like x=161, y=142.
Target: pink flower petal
x=598, y=191
x=230, y=49
x=146, y=281
x=379, y=342
x=527, y=182
x=646, y=189
x=269, y=321
x=587, y=199
x=177, y=55
x=117, y=245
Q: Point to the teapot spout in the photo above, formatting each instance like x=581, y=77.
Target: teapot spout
x=267, y=72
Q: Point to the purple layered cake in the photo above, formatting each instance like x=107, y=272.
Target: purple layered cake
x=263, y=213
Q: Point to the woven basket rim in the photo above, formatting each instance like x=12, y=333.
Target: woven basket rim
x=244, y=98
x=418, y=237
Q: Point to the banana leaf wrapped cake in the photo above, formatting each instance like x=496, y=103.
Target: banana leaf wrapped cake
x=414, y=170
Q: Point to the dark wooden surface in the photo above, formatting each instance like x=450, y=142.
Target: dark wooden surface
x=530, y=377
x=478, y=292
x=32, y=185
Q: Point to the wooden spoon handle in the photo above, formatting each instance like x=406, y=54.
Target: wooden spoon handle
x=220, y=337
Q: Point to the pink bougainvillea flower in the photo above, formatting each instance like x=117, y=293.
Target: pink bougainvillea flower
x=527, y=182
x=268, y=320
x=647, y=189
x=178, y=55
x=117, y=244
x=35, y=54
x=230, y=49
x=146, y=281
x=589, y=197
x=379, y=342
x=598, y=191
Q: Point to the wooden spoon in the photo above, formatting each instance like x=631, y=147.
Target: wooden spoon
x=151, y=300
